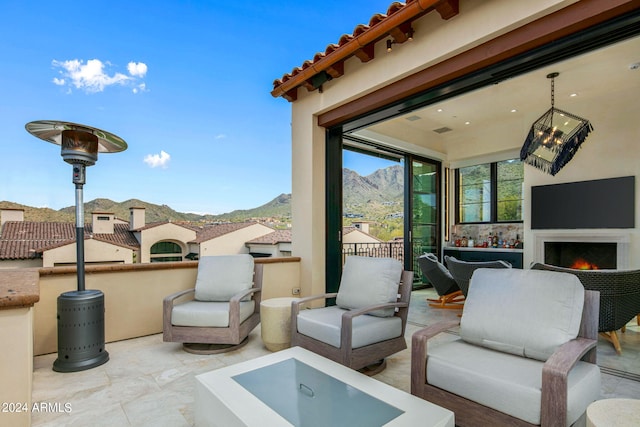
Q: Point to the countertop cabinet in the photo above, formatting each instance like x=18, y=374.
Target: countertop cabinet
x=512, y=256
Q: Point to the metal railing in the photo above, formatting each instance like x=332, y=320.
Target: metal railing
x=378, y=250
x=387, y=249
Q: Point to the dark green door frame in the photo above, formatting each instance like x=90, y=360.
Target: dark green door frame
x=333, y=206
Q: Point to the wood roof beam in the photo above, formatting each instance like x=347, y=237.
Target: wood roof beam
x=448, y=9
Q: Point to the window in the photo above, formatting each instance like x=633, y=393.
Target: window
x=490, y=192
x=510, y=176
x=474, y=189
x=166, y=252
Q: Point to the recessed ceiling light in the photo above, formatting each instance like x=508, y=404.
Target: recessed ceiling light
x=439, y=110
x=413, y=118
x=514, y=110
x=573, y=95
x=467, y=123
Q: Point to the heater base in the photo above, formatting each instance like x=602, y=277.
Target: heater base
x=80, y=331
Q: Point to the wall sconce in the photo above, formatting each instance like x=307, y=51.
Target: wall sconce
x=408, y=34
x=389, y=44
x=554, y=138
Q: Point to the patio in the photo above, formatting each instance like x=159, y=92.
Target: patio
x=148, y=382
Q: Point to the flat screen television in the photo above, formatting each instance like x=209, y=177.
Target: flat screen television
x=601, y=203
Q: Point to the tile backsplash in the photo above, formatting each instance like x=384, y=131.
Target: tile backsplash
x=480, y=232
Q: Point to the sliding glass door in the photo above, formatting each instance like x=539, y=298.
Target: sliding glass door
x=380, y=203
x=424, y=226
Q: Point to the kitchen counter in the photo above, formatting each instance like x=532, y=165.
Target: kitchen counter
x=475, y=248
x=512, y=256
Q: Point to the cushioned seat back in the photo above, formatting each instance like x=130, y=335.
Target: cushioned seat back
x=524, y=312
x=221, y=277
x=369, y=281
x=437, y=274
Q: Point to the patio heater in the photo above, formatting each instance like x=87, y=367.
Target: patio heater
x=80, y=312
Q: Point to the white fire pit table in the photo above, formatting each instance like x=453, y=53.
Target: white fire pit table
x=295, y=387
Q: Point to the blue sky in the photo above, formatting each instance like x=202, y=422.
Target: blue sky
x=185, y=83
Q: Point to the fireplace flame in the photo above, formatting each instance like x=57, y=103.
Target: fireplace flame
x=582, y=264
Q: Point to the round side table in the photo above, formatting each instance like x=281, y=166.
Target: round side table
x=275, y=323
x=614, y=413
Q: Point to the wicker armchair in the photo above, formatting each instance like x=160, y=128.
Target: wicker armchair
x=619, y=296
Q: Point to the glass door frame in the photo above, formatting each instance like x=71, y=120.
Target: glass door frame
x=409, y=205
x=334, y=204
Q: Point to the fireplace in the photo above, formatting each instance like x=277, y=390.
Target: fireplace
x=581, y=255
x=592, y=249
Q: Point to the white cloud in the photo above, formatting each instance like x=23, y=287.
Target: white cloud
x=92, y=77
x=220, y=136
x=157, y=160
x=137, y=69
x=142, y=87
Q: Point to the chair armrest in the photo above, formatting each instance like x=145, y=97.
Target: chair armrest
x=240, y=295
x=554, y=377
x=300, y=301
x=346, y=328
x=419, y=341
x=169, y=299
x=295, y=304
x=360, y=311
x=167, y=307
x=234, y=302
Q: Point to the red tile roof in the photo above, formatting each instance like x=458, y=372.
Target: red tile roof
x=27, y=240
x=327, y=65
x=278, y=236
x=209, y=232
x=157, y=224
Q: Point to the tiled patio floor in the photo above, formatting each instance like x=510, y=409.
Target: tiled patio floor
x=150, y=383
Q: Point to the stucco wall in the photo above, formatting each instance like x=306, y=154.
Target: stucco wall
x=133, y=295
x=234, y=242
x=165, y=232
x=357, y=236
x=20, y=263
x=16, y=364
x=95, y=251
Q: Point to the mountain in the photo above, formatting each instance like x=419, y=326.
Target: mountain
x=373, y=197
x=280, y=207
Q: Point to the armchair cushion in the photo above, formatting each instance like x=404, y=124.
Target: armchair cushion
x=369, y=281
x=221, y=277
x=505, y=382
x=208, y=314
x=324, y=324
x=544, y=314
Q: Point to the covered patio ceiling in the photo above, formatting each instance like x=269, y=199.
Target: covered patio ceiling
x=598, y=85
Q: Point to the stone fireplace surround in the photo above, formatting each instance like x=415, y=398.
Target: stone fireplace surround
x=620, y=238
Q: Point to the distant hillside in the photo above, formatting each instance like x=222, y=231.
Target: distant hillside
x=375, y=196
x=280, y=207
